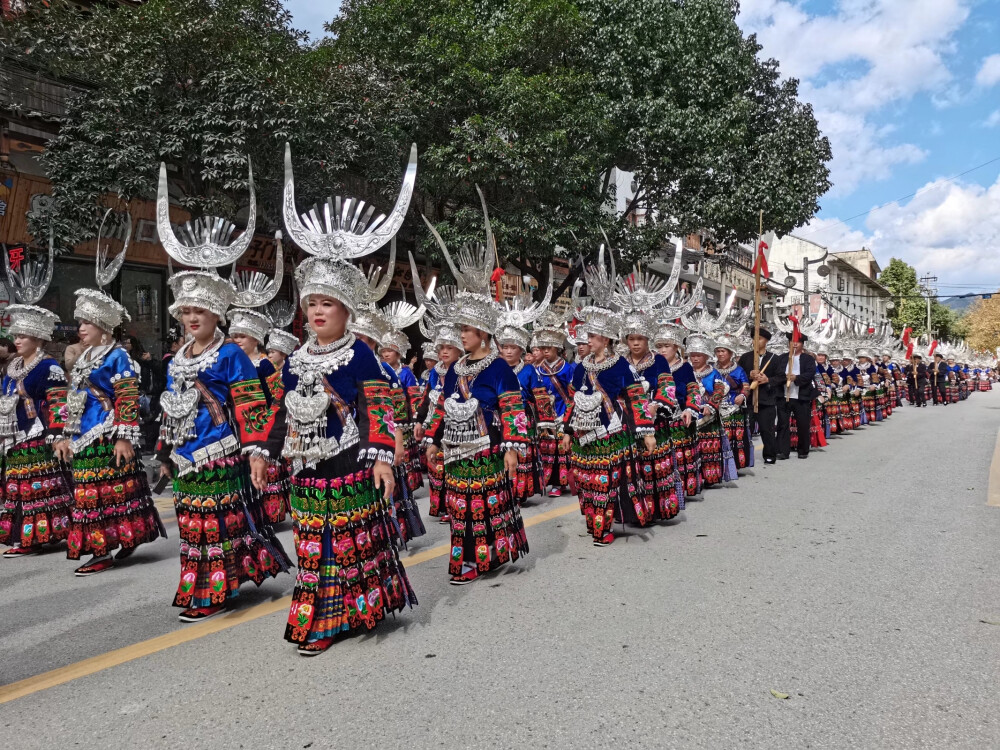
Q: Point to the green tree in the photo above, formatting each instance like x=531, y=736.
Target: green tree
x=910, y=309
x=203, y=85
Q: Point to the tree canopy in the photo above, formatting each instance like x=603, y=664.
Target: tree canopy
x=536, y=101
x=910, y=310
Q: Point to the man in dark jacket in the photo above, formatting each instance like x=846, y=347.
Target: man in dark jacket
x=916, y=380
x=766, y=412
x=796, y=389
x=939, y=380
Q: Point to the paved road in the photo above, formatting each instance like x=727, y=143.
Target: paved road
x=857, y=582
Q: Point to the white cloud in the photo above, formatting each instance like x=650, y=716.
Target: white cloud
x=993, y=120
x=856, y=61
x=989, y=73
x=949, y=229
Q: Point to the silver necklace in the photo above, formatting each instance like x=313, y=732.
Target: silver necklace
x=16, y=369
x=333, y=346
x=520, y=366
x=90, y=360
x=592, y=366
x=465, y=367
x=184, y=369
x=725, y=371
x=312, y=364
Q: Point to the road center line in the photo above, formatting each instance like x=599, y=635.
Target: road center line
x=101, y=662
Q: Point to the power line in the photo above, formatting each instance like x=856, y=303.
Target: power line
x=897, y=200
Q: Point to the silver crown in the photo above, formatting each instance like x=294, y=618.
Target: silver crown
x=256, y=289
x=399, y=315
x=249, y=322
x=367, y=321
x=510, y=334
x=98, y=308
x=637, y=323
x=727, y=341
x=283, y=341
x=429, y=351
x=445, y=333
x=603, y=322
x=29, y=320
x=204, y=289
x=669, y=333
x=475, y=305
x=550, y=330
x=519, y=313
x=397, y=342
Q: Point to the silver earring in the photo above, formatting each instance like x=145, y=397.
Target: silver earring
x=482, y=343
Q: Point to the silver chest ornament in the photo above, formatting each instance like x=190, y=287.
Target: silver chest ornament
x=307, y=441
x=586, y=411
x=462, y=437
x=180, y=403
x=76, y=397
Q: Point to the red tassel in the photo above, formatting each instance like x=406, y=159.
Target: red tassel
x=906, y=337
x=495, y=278
x=930, y=352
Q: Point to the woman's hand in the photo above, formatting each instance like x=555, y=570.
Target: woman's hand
x=431, y=453
x=707, y=410
x=418, y=431
x=382, y=473
x=650, y=442
x=124, y=452
x=167, y=468
x=63, y=450
x=258, y=473
x=740, y=400
x=397, y=455
x=566, y=442
x=510, y=459
x=686, y=418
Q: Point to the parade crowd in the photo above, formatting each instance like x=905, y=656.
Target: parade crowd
x=633, y=397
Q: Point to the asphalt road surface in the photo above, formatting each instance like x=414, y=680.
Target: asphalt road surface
x=862, y=583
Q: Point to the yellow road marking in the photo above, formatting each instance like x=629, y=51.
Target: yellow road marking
x=993, y=494
x=101, y=662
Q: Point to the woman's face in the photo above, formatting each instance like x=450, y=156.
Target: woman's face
x=638, y=346
x=723, y=356
x=511, y=354
x=199, y=322
x=247, y=343
x=90, y=334
x=429, y=363
x=549, y=353
x=277, y=358
x=128, y=345
x=391, y=357
x=472, y=339
x=327, y=318
x=667, y=350
x=26, y=345
x=698, y=360
x=449, y=353
x=582, y=350
x=598, y=343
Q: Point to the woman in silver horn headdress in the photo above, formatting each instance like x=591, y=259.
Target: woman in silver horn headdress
x=215, y=420
x=481, y=425
x=113, y=507
x=37, y=497
x=608, y=410
x=336, y=428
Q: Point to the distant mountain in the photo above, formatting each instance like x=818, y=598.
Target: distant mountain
x=959, y=304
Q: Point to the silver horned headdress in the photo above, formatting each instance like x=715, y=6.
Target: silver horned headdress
x=341, y=231
x=29, y=284
x=519, y=313
x=95, y=305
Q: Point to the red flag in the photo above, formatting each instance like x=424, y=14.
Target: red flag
x=796, y=333
x=906, y=338
x=496, y=277
x=930, y=352
x=909, y=349
x=761, y=261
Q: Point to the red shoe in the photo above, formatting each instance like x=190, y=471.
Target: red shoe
x=197, y=614
x=315, y=648
x=604, y=541
x=23, y=551
x=467, y=577
x=92, y=567
x=555, y=492
x=445, y=519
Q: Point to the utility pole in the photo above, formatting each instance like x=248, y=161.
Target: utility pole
x=928, y=286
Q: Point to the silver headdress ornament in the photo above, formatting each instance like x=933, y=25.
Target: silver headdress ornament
x=340, y=232
x=29, y=284
x=256, y=289
x=519, y=313
x=400, y=315
x=438, y=324
x=600, y=318
x=669, y=333
x=94, y=305
x=207, y=244
x=476, y=306
x=283, y=341
x=699, y=343
x=550, y=330
x=429, y=351
x=249, y=322
x=637, y=295
x=727, y=341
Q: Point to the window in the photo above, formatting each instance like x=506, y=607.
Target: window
x=840, y=282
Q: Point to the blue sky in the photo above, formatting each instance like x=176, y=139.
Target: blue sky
x=909, y=94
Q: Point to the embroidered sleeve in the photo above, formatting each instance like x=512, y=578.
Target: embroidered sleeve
x=254, y=419
x=55, y=389
x=693, y=400
x=400, y=406
x=515, y=430
x=276, y=385
x=125, y=422
x=718, y=394
x=666, y=392
x=376, y=420
x=414, y=400
x=638, y=404
x=543, y=404
x=570, y=405
x=435, y=419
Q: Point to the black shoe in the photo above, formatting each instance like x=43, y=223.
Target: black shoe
x=770, y=461
x=782, y=456
x=803, y=455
